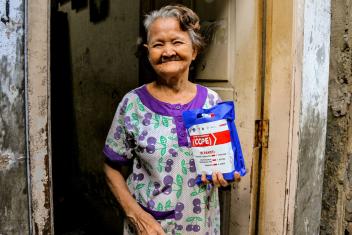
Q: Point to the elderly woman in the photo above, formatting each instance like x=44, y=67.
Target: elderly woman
x=160, y=196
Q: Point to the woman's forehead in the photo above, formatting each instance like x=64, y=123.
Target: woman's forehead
x=165, y=26
x=163, y=23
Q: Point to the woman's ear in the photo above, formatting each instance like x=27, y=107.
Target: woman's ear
x=194, y=54
x=147, y=47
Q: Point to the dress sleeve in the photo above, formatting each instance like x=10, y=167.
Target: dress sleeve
x=218, y=99
x=213, y=98
x=120, y=142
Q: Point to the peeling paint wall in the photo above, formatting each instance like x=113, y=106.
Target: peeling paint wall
x=313, y=113
x=337, y=195
x=13, y=177
x=37, y=104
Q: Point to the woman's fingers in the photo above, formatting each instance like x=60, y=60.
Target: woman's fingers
x=146, y=224
x=218, y=179
x=160, y=231
x=215, y=179
x=221, y=179
x=237, y=176
x=204, y=179
x=153, y=231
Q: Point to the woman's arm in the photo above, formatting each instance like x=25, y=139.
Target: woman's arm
x=143, y=221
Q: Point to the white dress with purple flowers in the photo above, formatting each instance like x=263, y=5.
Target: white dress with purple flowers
x=151, y=134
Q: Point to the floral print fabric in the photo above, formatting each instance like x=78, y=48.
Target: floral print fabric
x=150, y=134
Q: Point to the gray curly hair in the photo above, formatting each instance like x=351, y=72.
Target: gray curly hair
x=189, y=22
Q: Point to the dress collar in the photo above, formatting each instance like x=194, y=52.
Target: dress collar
x=167, y=109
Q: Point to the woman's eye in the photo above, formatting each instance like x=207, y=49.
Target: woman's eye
x=178, y=43
x=157, y=45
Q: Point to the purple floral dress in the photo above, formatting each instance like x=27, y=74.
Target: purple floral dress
x=151, y=134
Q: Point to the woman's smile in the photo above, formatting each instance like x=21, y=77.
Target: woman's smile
x=169, y=59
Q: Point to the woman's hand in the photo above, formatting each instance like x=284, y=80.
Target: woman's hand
x=145, y=224
x=218, y=179
x=143, y=221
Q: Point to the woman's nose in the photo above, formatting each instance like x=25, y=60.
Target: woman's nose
x=169, y=50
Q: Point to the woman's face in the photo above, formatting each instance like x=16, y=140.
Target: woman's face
x=170, y=49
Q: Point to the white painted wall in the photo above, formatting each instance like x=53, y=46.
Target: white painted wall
x=313, y=116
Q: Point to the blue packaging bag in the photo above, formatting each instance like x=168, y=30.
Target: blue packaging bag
x=214, y=141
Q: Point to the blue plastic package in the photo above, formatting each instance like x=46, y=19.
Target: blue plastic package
x=214, y=141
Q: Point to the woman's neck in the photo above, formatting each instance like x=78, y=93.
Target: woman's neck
x=172, y=85
x=170, y=91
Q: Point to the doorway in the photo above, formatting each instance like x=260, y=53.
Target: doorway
x=92, y=66
x=95, y=60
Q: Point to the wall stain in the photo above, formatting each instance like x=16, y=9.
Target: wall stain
x=320, y=54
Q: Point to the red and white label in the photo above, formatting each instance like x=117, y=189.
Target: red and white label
x=211, y=147
x=216, y=138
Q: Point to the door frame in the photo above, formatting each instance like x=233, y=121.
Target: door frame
x=295, y=69
x=37, y=73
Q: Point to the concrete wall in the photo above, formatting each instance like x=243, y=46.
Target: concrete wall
x=13, y=177
x=337, y=194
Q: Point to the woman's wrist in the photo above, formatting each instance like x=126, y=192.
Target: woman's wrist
x=133, y=210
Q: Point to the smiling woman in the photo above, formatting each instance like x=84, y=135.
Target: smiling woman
x=160, y=196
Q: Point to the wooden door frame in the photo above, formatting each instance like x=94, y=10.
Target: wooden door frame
x=38, y=116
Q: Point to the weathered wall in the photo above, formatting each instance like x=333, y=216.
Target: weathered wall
x=337, y=194
x=313, y=115
x=13, y=178
x=100, y=68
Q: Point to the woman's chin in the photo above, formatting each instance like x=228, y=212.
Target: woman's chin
x=171, y=72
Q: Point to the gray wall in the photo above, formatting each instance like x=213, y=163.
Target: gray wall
x=337, y=194
x=13, y=177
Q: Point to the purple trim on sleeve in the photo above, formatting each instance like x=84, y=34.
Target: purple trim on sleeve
x=173, y=110
x=115, y=157
x=159, y=215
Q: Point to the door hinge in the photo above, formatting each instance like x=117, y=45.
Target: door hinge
x=261, y=133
